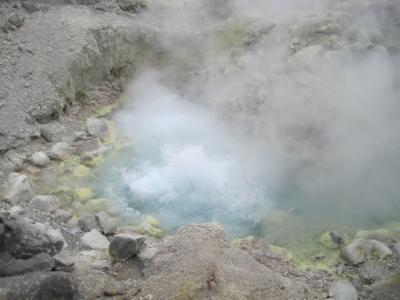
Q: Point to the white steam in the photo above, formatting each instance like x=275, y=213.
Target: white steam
x=192, y=167
x=260, y=104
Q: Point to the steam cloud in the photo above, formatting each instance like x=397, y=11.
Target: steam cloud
x=296, y=110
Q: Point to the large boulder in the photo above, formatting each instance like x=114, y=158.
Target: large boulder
x=39, y=286
x=20, y=189
x=24, y=238
x=40, y=262
x=198, y=261
x=125, y=246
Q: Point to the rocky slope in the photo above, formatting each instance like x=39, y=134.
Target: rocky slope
x=61, y=61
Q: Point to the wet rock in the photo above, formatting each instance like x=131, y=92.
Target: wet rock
x=334, y=239
x=132, y=6
x=106, y=224
x=62, y=215
x=87, y=222
x=343, y=290
x=20, y=189
x=125, y=246
x=40, y=262
x=94, y=240
x=60, y=151
x=39, y=286
x=63, y=262
x=24, y=238
x=47, y=203
x=40, y=159
x=97, y=127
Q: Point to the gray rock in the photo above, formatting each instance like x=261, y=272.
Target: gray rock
x=90, y=155
x=125, y=246
x=13, y=23
x=20, y=189
x=361, y=249
x=371, y=271
x=24, y=238
x=94, y=240
x=40, y=159
x=73, y=223
x=343, y=290
x=40, y=262
x=52, y=132
x=60, y=151
x=355, y=252
x=63, y=262
x=30, y=7
x=97, y=127
x=132, y=6
x=16, y=211
x=397, y=247
x=62, y=215
x=106, y=224
x=379, y=249
x=388, y=288
x=39, y=286
x=87, y=222
x=16, y=20
x=47, y=203
x=79, y=136
x=15, y=159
